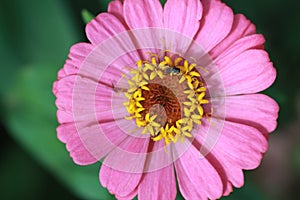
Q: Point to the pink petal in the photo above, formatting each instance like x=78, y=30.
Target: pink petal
x=255, y=41
x=257, y=110
x=109, y=107
x=159, y=184
x=143, y=13
x=63, y=88
x=97, y=104
x=121, y=184
x=79, y=103
x=215, y=24
x=122, y=169
x=228, y=187
x=78, y=53
x=229, y=174
x=129, y=156
x=197, y=178
x=67, y=133
x=249, y=72
x=64, y=116
x=157, y=158
x=103, y=27
x=244, y=25
x=88, y=142
x=93, y=108
x=63, y=92
x=116, y=8
x=233, y=174
x=112, y=57
x=238, y=147
x=102, y=129
x=128, y=197
x=183, y=16
x=241, y=27
x=78, y=152
x=115, y=73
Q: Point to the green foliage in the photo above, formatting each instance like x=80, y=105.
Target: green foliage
x=86, y=16
x=35, y=31
x=163, y=1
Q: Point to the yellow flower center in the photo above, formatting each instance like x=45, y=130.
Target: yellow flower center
x=166, y=97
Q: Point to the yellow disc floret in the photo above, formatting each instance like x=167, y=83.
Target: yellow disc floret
x=166, y=97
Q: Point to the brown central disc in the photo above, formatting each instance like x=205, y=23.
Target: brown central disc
x=164, y=99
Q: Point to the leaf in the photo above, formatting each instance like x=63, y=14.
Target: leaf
x=32, y=122
x=33, y=32
x=87, y=16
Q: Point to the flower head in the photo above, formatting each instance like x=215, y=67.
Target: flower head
x=165, y=89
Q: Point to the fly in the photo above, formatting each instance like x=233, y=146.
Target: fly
x=173, y=70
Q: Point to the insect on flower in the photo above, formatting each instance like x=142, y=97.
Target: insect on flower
x=173, y=70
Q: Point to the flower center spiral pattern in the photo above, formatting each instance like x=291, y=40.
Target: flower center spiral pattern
x=166, y=97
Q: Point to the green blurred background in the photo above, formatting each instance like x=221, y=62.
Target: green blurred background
x=35, y=37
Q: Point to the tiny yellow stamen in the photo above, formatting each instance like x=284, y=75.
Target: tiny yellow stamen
x=204, y=101
x=153, y=75
x=201, y=89
x=145, y=76
x=169, y=61
x=178, y=60
x=192, y=66
x=187, y=112
x=160, y=74
x=182, y=79
x=145, y=88
x=186, y=65
x=157, y=138
x=154, y=61
x=138, y=104
x=200, y=110
x=196, y=117
x=142, y=90
x=194, y=74
x=200, y=97
x=148, y=67
x=187, y=103
x=140, y=123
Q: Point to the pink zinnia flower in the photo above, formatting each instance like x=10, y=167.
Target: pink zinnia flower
x=165, y=90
